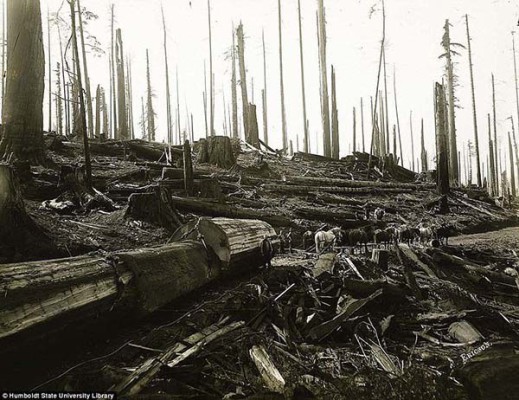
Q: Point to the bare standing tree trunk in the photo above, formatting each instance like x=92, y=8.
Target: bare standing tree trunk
x=59, y=101
x=306, y=138
x=169, y=119
x=386, y=103
x=243, y=80
x=151, y=113
x=335, y=118
x=515, y=79
x=492, y=161
x=179, y=136
x=204, y=95
x=130, y=98
x=85, y=70
x=265, y=102
x=362, y=123
x=234, y=91
x=496, y=146
x=22, y=113
x=211, y=76
x=114, y=95
x=474, y=114
x=425, y=166
x=49, y=59
x=453, y=147
x=123, y=119
x=442, y=155
x=98, y=112
x=88, y=167
x=106, y=130
x=512, y=169
x=397, y=119
x=412, y=139
x=325, y=108
x=354, y=130
x=281, y=83
x=4, y=45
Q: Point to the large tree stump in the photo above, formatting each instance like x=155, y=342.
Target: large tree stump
x=219, y=152
x=155, y=207
x=20, y=236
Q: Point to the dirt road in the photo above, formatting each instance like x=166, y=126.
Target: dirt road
x=505, y=238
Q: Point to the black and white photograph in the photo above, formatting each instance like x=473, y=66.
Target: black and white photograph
x=259, y=199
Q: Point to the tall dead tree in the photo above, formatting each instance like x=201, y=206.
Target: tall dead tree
x=453, y=148
x=22, y=118
x=281, y=82
x=113, y=87
x=122, y=132
x=264, y=94
x=204, y=95
x=49, y=64
x=412, y=139
x=234, y=90
x=386, y=103
x=149, y=103
x=425, y=163
x=335, y=118
x=4, y=45
x=303, y=93
x=243, y=80
x=86, y=148
x=144, y=135
x=325, y=106
x=496, y=145
x=88, y=93
x=442, y=155
x=362, y=123
x=512, y=169
x=106, y=130
x=98, y=111
x=397, y=118
x=492, y=161
x=169, y=118
x=179, y=136
x=354, y=130
x=211, y=75
x=129, y=94
x=515, y=79
x=474, y=114
x=59, y=101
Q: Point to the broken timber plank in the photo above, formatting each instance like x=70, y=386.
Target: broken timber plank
x=270, y=375
x=138, y=380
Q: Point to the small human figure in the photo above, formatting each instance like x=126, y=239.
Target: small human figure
x=281, y=238
x=308, y=237
x=289, y=240
x=267, y=252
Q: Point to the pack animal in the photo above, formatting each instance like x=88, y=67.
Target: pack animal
x=360, y=236
x=324, y=239
x=407, y=234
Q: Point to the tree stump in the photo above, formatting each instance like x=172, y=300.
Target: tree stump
x=155, y=207
x=188, y=169
x=217, y=150
x=20, y=236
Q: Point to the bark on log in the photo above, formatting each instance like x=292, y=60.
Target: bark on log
x=235, y=242
x=41, y=297
x=333, y=189
x=222, y=210
x=323, y=214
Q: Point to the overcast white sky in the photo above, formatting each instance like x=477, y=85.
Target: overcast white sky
x=414, y=31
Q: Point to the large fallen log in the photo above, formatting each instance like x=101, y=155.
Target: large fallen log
x=332, y=189
x=235, y=242
x=313, y=181
x=41, y=297
x=215, y=209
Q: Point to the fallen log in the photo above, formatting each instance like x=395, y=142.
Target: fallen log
x=270, y=375
x=314, y=181
x=45, y=296
x=332, y=189
x=214, y=209
x=323, y=214
x=235, y=242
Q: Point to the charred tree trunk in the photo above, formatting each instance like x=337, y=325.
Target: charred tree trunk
x=49, y=66
x=491, y=161
x=59, y=101
x=114, y=95
x=169, y=118
x=188, y=169
x=98, y=112
x=253, y=126
x=412, y=140
x=22, y=119
x=442, y=155
x=217, y=150
x=106, y=131
x=425, y=163
x=497, y=168
x=354, y=130
x=362, y=123
x=512, y=168
x=211, y=75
